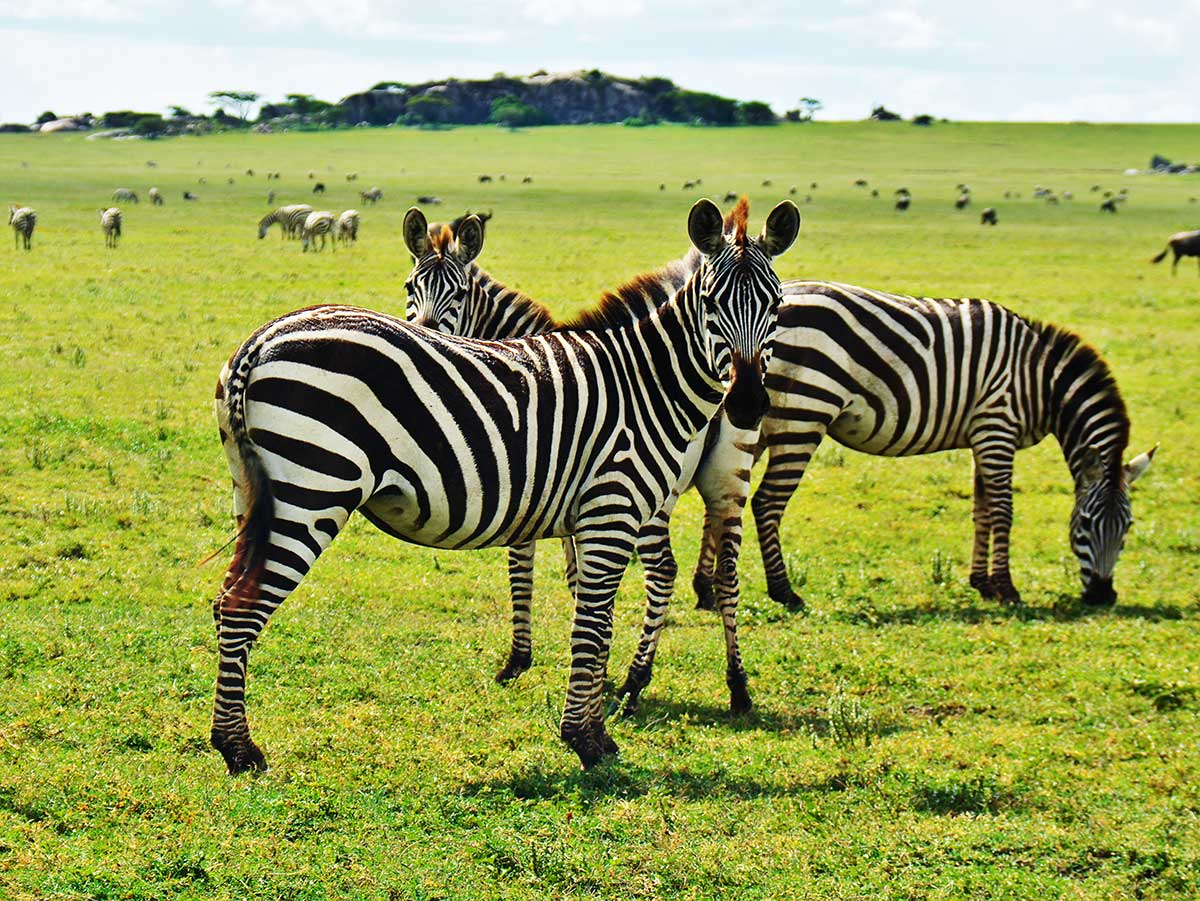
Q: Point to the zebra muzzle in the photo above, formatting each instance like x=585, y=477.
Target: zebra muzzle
x=746, y=401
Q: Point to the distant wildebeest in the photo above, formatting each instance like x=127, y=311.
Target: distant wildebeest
x=482, y=217
x=428, y=199
x=311, y=174
x=1109, y=206
x=346, y=227
x=903, y=201
x=527, y=180
x=988, y=216
x=1007, y=195
x=661, y=186
x=1067, y=195
x=319, y=224
x=689, y=185
x=250, y=172
x=813, y=186
x=150, y=164
x=125, y=194
x=860, y=182
x=874, y=192
x=372, y=196
x=351, y=176
x=502, y=176
x=22, y=219
x=188, y=195
x=229, y=180
x=156, y=197
x=319, y=188
x=1052, y=199
x=731, y=197
x=808, y=198
x=484, y=179
x=1182, y=244
x=110, y=224
x=962, y=201
x=1095, y=188
x=273, y=175
x=766, y=183
x=902, y=192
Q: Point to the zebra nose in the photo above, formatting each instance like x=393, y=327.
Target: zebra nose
x=1099, y=593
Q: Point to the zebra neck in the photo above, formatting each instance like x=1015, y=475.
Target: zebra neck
x=498, y=312
x=1084, y=407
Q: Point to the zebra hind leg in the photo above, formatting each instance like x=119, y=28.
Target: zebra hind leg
x=980, y=580
x=703, y=578
x=995, y=461
x=520, y=581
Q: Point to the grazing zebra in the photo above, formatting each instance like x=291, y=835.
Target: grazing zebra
x=188, y=195
x=988, y=216
x=22, y=219
x=270, y=197
x=372, y=196
x=428, y=199
x=125, y=194
x=1182, y=244
x=346, y=227
x=963, y=200
x=156, y=197
x=903, y=202
x=317, y=225
x=110, y=224
x=459, y=443
x=290, y=219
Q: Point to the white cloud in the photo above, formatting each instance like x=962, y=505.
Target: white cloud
x=1161, y=35
x=105, y=11
x=364, y=19
x=562, y=12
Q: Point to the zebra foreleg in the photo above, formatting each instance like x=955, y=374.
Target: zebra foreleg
x=702, y=578
x=520, y=581
x=602, y=559
x=658, y=561
x=995, y=461
x=727, y=599
x=981, y=515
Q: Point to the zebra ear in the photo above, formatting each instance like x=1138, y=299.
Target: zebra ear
x=1138, y=465
x=1092, y=467
x=416, y=233
x=780, y=229
x=706, y=227
x=470, y=239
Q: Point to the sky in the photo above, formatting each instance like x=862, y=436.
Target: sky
x=1065, y=60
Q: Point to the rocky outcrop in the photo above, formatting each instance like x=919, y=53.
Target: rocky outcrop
x=70, y=123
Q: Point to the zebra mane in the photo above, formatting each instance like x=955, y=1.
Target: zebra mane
x=1075, y=359
x=523, y=304
x=637, y=299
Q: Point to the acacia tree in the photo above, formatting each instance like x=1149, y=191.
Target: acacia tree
x=810, y=107
x=239, y=101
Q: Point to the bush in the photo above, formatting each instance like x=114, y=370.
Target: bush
x=45, y=117
x=10, y=127
x=389, y=86
x=426, y=109
x=697, y=106
x=636, y=122
x=924, y=120
x=755, y=112
x=150, y=126
x=792, y=115
x=124, y=118
x=511, y=112
x=883, y=114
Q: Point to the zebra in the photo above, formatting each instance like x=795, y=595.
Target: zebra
x=459, y=443
x=125, y=194
x=156, y=197
x=290, y=219
x=317, y=225
x=988, y=216
x=188, y=195
x=346, y=227
x=110, y=224
x=964, y=199
x=22, y=219
x=373, y=196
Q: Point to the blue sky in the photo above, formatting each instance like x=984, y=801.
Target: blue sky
x=1020, y=60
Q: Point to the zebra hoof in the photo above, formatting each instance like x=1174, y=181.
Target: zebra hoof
x=240, y=757
x=983, y=584
x=739, y=697
x=1006, y=593
x=784, y=595
x=592, y=745
x=706, y=598
x=517, y=664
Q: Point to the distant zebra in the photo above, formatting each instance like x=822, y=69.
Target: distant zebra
x=988, y=216
x=290, y=219
x=346, y=227
x=372, y=196
x=730, y=197
x=1182, y=244
x=903, y=202
x=428, y=199
x=458, y=443
x=110, y=224
x=156, y=197
x=270, y=197
x=22, y=219
x=188, y=195
x=963, y=201
x=125, y=194
x=317, y=225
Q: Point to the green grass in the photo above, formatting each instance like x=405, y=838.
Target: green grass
x=909, y=740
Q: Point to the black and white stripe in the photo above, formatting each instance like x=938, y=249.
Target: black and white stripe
x=346, y=227
x=318, y=224
x=290, y=218
x=125, y=194
x=22, y=219
x=156, y=197
x=459, y=443
x=110, y=224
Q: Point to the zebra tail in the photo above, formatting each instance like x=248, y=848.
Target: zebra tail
x=254, y=535
x=1162, y=256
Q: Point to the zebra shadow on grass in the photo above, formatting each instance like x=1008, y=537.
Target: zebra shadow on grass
x=1060, y=607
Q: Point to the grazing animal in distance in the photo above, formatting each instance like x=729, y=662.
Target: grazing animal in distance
x=188, y=195
x=731, y=197
x=250, y=172
x=346, y=227
x=229, y=181
x=203, y=180
x=110, y=224
x=662, y=186
x=1052, y=199
x=793, y=190
x=766, y=183
x=290, y=219
x=813, y=186
x=962, y=201
x=533, y=461
x=689, y=185
x=1067, y=195
x=318, y=224
x=527, y=180
x=428, y=199
x=125, y=194
x=1182, y=244
x=156, y=197
x=485, y=179
x=373, y=196
x=319, y=188
x=1109, y=206
x=22, y=219
x=874, y=192
x=311, y=175
x=456, y=224
x=860, y=182
x=270, y=197
x=903, y=202
x=988, y=216
x=150, y=164
x=351, y=176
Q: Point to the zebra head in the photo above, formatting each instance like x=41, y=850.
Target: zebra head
x=740, y=296
x=1101, y=518
x=439, y=285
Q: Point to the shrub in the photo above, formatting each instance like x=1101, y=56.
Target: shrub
x=755, y=112
x=512, y=112
x=426, y=109
x=924, y=120
x=883, y=114
x=150, y=126
x=45, y=117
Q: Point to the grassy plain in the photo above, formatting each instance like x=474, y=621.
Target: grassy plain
x=1040, y=752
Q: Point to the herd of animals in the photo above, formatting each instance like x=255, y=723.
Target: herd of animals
x=479, y=420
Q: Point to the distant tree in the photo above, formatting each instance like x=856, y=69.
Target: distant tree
x=924, y=120
x=755, y=112
x=150, y=126
x=809, y=107
x=237, y=101
x=45, y=117
x=389, y=86
x=697, y=106
x=307, y=104
x=792, y=115
x=180, y=112
x=883, y=114
x=426, y=109
x=1158, y=161
x=511, y=112
x=124, y=118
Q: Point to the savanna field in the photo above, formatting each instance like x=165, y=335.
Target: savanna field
x=909, y=740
